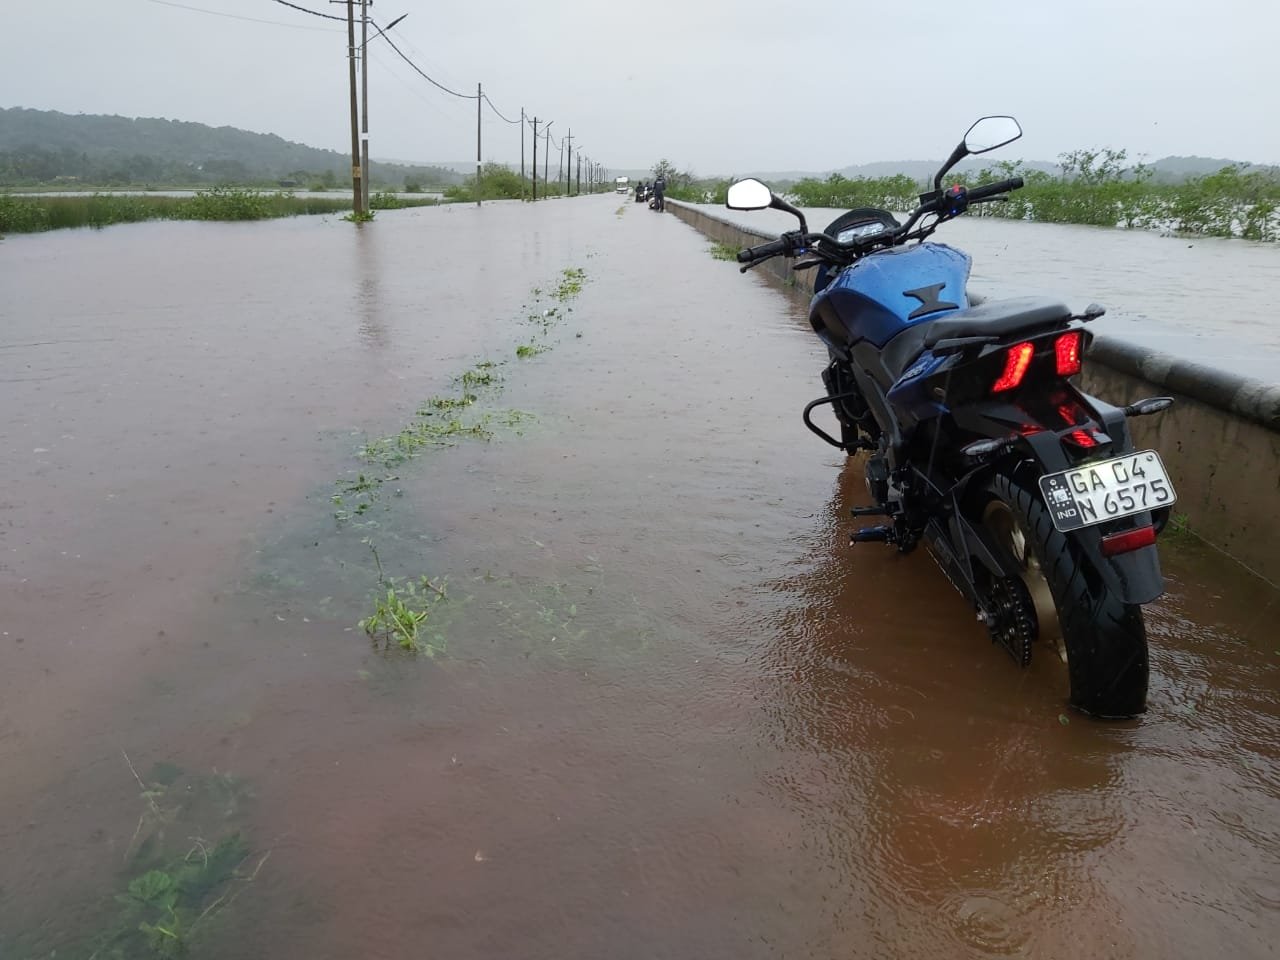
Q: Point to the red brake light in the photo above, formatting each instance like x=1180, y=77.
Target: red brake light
x=1067, y=350
x=1016, y=363
x=1129, y=540
x=1082, y=438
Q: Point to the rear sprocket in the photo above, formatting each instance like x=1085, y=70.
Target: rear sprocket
x=1011, y=618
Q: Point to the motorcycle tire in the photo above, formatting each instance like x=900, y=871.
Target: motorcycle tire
x=1103, y=638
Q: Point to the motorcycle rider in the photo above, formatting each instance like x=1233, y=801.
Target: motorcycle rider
x=659, y=192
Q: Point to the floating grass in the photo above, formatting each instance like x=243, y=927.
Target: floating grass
x=404, y=608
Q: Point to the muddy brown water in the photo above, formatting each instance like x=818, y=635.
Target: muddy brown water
x=677, y=716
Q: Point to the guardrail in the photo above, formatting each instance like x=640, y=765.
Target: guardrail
x=1220, y=441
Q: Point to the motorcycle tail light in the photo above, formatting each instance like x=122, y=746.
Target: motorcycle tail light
x=1082, y=438
x=1128, y=541
x=1067, y=352
x=1016, y=363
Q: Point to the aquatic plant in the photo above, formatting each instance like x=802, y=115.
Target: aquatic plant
x=570, y=284
x=400, y=609
x=402, y=606
x=180, y=876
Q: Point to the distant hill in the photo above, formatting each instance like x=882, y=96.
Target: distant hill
x=1174, y=169
x=44, y=146
x=47, y=147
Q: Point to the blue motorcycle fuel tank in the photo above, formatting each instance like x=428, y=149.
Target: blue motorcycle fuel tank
x=882, y=294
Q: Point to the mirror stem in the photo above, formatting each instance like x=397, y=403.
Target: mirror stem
x=780, y=204
x=959, y=153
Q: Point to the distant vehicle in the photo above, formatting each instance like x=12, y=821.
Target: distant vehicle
x=622, y=185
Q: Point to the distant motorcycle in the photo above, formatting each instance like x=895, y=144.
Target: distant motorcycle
x=643, y=192
x=1027, y=491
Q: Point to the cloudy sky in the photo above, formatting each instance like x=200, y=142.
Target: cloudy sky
x=714, y=85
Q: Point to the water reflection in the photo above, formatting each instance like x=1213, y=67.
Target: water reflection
x=368, y=305
x=969, y=806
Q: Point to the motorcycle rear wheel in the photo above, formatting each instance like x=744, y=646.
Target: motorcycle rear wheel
x=1079, y=619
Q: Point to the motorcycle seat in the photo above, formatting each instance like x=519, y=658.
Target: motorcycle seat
x=987, y=318
x=997, y=318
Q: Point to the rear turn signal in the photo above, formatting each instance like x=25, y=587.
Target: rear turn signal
x=1016, y=363
x=1067, y=350
x=1128, y=541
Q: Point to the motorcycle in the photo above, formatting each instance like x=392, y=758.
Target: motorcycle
x=1027, y=491
x=643, y=191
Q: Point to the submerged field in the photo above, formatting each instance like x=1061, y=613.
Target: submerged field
x=27, y=214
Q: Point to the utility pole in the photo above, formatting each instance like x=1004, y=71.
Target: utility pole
x=546, y=161
x=479, y=98
x=535, y=159
x=568, y=148
x=357, y=194
x=522, y=153
x=364, y=102
x=560, y=165
x=580, y=174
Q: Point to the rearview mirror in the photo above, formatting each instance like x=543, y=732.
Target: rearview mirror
x=991, y=132
x=748, y=195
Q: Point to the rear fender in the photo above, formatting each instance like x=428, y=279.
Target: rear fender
x=1135, y=577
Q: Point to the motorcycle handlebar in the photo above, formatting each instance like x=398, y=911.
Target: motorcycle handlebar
x=992, y=189
x=770, y=249
x=788, y=242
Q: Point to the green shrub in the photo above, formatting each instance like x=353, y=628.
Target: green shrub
x=21, y=215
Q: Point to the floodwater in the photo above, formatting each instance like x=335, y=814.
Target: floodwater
x=673, y=714
x=1202, y=299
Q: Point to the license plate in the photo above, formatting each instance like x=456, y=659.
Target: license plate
x=1107, y=491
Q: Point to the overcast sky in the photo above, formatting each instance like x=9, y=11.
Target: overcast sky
x=714, y=85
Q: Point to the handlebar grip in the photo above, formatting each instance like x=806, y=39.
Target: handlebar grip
x=994, y=189
x=770, y=249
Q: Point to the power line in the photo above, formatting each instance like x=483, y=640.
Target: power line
x=436, y=83
x=417, y=92
x=233, y=16
x=478, y=95
x=496, y=110
x=314, y=13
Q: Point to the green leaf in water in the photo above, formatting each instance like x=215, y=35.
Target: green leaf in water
x=151, y=886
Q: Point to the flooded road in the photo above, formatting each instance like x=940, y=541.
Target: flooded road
x=1203, y=299
x=670, y=713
